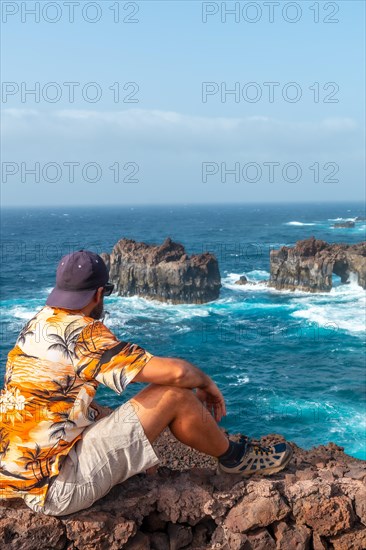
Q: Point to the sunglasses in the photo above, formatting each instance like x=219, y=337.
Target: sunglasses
x=108, y=289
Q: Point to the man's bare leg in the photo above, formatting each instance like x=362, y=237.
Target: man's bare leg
x=159, y=406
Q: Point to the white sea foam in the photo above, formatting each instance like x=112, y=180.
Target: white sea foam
x=121, y=310
x=238, y=379
x=21, y=312
x=299, y=223
x=252, y=285
x=258, y=274
x=343, y=308
x=342, y=219
x=259, y=285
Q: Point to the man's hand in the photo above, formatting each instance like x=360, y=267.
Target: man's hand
x=172, y=371
x=213, y=399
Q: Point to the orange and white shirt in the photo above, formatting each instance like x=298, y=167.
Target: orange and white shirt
x=52, y=374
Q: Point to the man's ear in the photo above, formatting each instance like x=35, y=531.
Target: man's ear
x=99, y=294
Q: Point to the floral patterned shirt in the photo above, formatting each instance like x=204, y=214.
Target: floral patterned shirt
x=52, y=374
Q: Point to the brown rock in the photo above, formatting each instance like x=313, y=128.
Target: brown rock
x=306, y=488
x=99, y=531
x=327, y=475
x=296, y=537
x=202, y=533
x=255, y=511
x=209, y=506
x=290, y=478
x=140, y=541
x=200, y=536
x=356, y=540
x=22, y=529
x=306, y=474
x=159, y=541
x=260, y=540
x=357, y=471
x=153, y=522
x=356, y=491
x=338, y=471
x=223, y=539
x=184, y=501
x=319, y=543
x=360, y=504
x=326, y=517
x=179, y=536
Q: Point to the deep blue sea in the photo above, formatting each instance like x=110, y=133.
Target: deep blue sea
x=287, y=362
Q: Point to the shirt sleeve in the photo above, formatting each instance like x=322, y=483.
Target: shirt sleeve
x=99, y=355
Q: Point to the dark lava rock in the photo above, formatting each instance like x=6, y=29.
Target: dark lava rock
x=348, y=224
x=242, y=281
x=192, y=506
x=309, y=265
x=165, y=273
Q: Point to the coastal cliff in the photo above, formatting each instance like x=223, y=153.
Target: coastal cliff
x=165, y=273
x=309, y=265
x=317, y=503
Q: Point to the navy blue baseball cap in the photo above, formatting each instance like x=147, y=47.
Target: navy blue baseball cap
x=78, y=276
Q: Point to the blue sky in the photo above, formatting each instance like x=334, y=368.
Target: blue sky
x=169, y=137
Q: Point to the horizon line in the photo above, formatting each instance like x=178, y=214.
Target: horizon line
x=136, y=205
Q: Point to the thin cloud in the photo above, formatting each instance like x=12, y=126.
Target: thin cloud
x=170, y=130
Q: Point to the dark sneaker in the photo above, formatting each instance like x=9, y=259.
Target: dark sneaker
x=258, y=459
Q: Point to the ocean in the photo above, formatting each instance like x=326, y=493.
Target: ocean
x=287, y=362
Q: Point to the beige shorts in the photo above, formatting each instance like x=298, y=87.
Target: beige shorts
x=110, y=451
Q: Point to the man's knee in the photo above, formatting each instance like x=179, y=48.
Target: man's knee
x=173, y=393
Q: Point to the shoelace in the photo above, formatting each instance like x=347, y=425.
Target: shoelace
x=258, y=449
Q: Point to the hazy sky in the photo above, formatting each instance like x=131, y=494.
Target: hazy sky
x=132, y=102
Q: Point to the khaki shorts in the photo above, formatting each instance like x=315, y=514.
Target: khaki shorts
x=110, y=451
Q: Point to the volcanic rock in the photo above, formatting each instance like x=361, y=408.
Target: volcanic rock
x=165, y=273
x=242, y=281
x=347, y=223
x=191, y=506
x=309, y=265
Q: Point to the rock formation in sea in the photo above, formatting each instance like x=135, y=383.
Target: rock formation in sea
x=317, y=503
x=348, y=224
x=242, y=280
x=165, y=273
x=309, y=265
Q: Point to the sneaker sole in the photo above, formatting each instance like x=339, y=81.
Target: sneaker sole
x=265, y=471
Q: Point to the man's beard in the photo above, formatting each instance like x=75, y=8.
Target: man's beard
x=98, y=311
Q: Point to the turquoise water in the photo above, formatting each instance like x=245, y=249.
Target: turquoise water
x=286, y=362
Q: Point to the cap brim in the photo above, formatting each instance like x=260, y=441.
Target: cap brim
x=69, y=299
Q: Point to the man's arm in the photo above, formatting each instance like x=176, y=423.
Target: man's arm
x=178, y=372
x=171, y=371
x=100, y=356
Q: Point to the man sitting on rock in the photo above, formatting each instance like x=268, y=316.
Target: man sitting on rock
x=58, y=451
